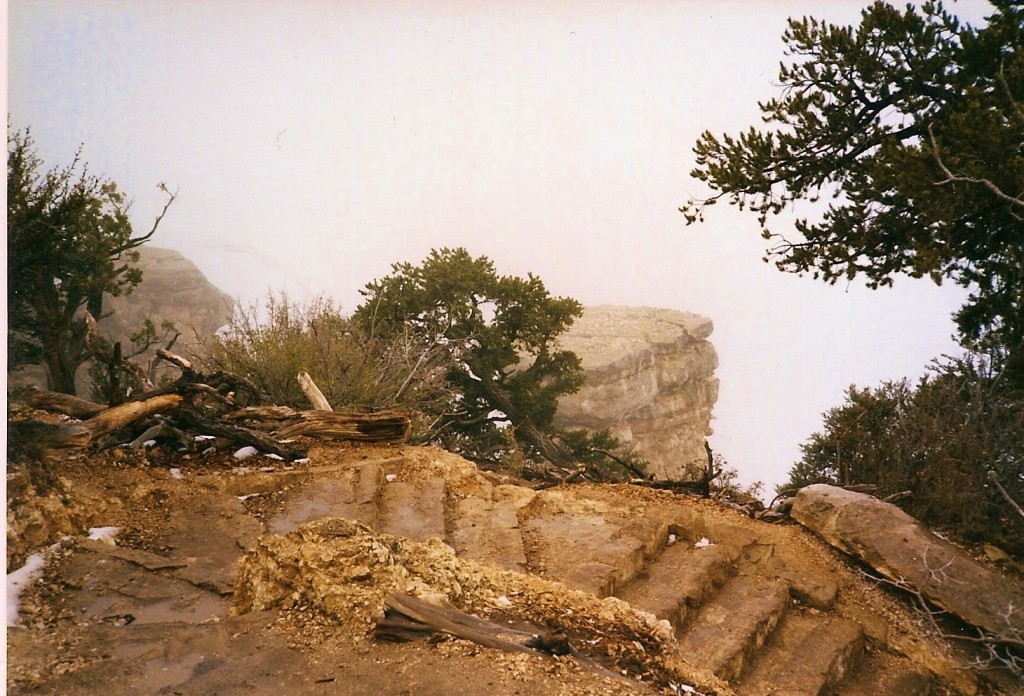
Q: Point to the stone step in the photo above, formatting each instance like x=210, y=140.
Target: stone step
x=876, y=676
x=413, y=509
x=681, y=578
x=727, y=630
x=590, y=541
x=807, y=655
x=484, y=526
x=351, y=493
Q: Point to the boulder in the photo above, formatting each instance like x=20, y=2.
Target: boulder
x=903, y=551
x=650, y=379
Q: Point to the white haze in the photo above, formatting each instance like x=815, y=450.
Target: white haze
x=313, y=144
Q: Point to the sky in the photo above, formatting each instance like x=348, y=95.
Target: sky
x=313, y=144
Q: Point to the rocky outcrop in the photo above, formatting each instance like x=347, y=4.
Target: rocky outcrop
x=897, y=546
x=650, y=381
x=172, y=289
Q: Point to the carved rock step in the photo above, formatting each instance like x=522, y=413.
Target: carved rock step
x=350, y=492
x=679, y=579
x=413, y=510
x=729, y=629
x=806, y=656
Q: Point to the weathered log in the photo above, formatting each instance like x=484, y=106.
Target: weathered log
x=37, y=435
x=262, y=414
x=313, y=393
x=56, y=402
x=119, y=416
x=408, y=618
x=385, y=426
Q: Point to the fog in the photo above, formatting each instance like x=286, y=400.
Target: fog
x=314, y=144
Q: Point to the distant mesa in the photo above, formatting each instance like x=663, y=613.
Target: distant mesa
x=650, y=381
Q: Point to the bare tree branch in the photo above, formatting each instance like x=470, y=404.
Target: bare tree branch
x=953, y=178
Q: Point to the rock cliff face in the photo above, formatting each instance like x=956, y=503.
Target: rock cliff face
x=650, y=380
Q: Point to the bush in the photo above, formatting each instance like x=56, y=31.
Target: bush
x=272, y=343
x=935, y=441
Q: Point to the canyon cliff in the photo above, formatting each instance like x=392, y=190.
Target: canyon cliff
x=650, y=381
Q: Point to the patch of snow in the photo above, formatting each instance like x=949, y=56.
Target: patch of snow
x=19, y=580
x=204, y=438
x=148, y=443
x=672, y=538
x=504, y=601
x=176, y=473
x=391, y=478
x=271, y=455
x=104, y=534
x=244, y=498
x=703, y=543
x=303, y=460
x=246, y=452
x=209, y=450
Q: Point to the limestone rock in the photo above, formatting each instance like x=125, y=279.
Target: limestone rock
x=650, y=380
x=898, y=547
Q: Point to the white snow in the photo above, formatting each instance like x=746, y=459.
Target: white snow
x=672, y=538
x=271, y=455
x=209, y=450
x=304, y=460
x=176, y=473
x=244, y=498
x=148, y=443
x=19, y=580
x=203, y=438
x=246, y=452
x=24, y=576
x=391, y=478
x=703, y=543
x=104, y=534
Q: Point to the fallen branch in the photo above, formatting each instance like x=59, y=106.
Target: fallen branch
x=994, y=478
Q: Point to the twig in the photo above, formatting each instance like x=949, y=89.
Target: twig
x=994, y=478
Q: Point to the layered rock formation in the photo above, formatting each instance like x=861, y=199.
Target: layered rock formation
x=650, y=381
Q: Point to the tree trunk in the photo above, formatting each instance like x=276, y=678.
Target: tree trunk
x=60, y=374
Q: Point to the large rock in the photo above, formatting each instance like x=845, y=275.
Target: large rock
x=650, y=380
x=897, y=546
